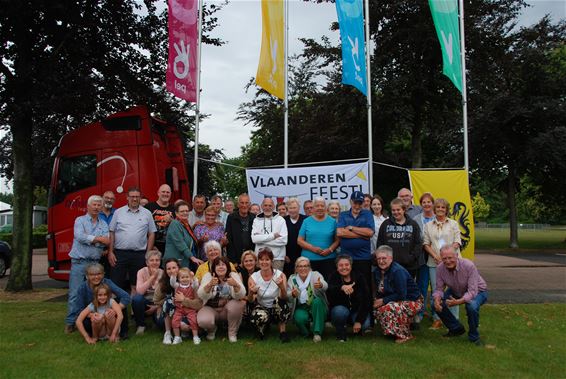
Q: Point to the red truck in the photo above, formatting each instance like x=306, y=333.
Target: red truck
x=127, y=149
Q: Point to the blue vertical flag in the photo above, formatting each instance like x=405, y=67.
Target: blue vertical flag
x=351, y=20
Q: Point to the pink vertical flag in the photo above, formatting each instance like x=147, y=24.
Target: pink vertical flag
x=182, y=68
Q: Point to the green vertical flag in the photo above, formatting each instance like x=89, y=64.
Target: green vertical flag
x=445, y=17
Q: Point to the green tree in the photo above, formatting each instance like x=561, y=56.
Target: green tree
x=40, y=196
x=480, y=206
x=67, y=62
x=230, y=177
x=207, y=183
x=520, y=112
x=492, y=188
x=7, y=198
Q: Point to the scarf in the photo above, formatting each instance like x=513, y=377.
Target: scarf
x=188, y=228
x=306, y=295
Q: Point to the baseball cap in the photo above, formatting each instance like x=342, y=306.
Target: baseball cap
x=357, y=196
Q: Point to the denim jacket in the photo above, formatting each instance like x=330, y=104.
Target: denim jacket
x=398, y=285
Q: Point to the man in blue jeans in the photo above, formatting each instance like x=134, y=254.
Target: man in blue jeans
x=355, y=229
x=89, y=239
x=459, y=282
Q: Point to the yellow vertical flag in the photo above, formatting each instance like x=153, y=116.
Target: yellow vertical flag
x=453, y=186
x=270, y=72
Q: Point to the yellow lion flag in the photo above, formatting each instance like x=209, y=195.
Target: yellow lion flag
x=453, y=186
x=270, y=72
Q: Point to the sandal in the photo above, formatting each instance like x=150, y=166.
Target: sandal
x=403, y=340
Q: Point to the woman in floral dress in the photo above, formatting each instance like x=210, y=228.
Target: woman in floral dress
x=397, y=299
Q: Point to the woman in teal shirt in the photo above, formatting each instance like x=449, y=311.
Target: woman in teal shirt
x=181, y=242
x=318, y=239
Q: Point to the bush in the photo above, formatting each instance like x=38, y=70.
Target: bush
x=40, y=229
x=38, y=239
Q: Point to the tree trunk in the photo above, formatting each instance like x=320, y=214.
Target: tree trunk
x=512, y=203
x=20, y=271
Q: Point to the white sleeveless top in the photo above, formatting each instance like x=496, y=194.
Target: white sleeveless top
x=267, y=290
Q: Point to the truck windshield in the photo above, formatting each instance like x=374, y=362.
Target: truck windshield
x=74, y=174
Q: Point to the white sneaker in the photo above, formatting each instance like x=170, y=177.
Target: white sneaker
x=167, y=338
x=177, y=340
x=233, y=339
x=196, y=340
x=140, y=330
x=211, y=336
x=317, y=338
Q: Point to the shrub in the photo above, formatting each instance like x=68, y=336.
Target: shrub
x=38, y=239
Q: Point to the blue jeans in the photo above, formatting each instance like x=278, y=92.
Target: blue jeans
x=76, y=278
x=340, y=316
x=455, y=309
x=139, y=305
x=472, y=311
x=423, y=279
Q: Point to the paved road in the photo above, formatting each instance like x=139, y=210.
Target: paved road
x=524, y=277
x=511, y=278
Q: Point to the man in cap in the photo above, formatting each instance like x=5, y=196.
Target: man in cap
x=355, y=228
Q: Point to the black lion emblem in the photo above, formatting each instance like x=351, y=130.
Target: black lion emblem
x=461, y=214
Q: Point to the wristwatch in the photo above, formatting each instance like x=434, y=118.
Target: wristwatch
x=350, y=228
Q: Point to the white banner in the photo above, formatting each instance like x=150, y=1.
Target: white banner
x=335, y=182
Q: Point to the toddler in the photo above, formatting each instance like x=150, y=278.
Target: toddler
x=187, y=286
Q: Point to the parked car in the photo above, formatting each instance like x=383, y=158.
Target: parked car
x=5, y=257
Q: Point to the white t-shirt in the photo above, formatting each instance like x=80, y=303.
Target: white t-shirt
x=267, y=290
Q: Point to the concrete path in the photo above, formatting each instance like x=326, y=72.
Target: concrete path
x=525, y=277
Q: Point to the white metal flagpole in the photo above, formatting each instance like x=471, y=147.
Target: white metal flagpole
x=368, y=97
x=197, y=111
x=464, y=89
x=286, y=101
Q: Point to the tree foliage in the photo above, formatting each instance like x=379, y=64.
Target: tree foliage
x=517, y=127
x=7, y=197
x=480, y=207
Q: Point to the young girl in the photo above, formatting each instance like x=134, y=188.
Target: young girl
x=105, y=316
x=187, y=286
x=164, y=297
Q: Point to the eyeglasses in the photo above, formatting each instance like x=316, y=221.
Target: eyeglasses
x=303, y=266
x=382, y=259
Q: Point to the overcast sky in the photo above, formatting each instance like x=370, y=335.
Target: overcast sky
x=227, y=69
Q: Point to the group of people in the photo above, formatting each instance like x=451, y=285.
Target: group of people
x=192, y=269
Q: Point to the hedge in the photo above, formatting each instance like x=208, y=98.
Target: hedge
x=38, y=239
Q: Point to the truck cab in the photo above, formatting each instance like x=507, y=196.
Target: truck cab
x=127, y=149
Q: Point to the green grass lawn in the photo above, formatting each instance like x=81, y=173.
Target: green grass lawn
x=522, y=341
x=528, y=239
